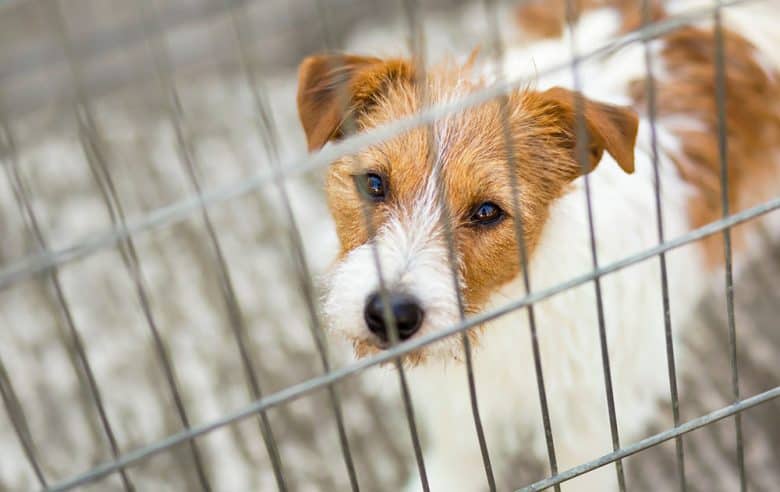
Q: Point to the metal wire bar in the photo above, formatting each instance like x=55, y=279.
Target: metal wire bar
x=267, y=131
x=16, y=415
x=513, y=166
x=107, y=188
x=298, y=390
x=132, y=263
x=670, y=362
x=163, y=69
x=21, y=193
x=411, y=10
x=676, y=431
x=387, y=313
x=407, y=400
x=389, y=318
x=581, y=149
x=88, y=136
x=720, y=101
x=180, y=210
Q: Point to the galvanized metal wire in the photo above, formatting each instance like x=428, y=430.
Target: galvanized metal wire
x=267, y=132
x=669, y=339
x=296, y=391
x=180, y=210
x=387, y=313
x=731, y=410
x=413, y=16
x=91, y=145
x=155, y=35
x=22, y=196
x=720, y=99
x=124, y=231
x=491, y=12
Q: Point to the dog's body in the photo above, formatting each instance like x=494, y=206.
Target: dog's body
x=467, y=157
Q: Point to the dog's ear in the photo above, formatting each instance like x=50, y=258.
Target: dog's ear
x=606, y=127
x=333, y=88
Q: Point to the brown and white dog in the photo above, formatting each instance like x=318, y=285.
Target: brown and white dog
x=463, y=160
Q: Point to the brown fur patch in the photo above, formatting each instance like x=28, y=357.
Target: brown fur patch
x=541, y=19
x=470, y=155
x=334, y=88
x=752, y=107
x=476, y=171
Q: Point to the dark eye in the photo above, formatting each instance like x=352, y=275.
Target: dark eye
x=372, y=186
x=487, y=213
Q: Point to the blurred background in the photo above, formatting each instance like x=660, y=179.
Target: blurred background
x=116, y=47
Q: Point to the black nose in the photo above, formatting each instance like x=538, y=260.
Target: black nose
x=406, y=310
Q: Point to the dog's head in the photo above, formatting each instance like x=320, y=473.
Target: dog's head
x=396, y=195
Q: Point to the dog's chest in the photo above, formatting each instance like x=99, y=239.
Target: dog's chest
x=567, y=327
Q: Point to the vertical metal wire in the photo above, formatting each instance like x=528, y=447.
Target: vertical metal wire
x=154, y=35
x=513, y=165
x=720, y=101
x=581, y=155
x=389, y=318
x=90, y=143
x=267, y=131
x=88, y=133
x=417, y=42
x=19, y=422
x=670, y=362
x=31, y=221
x=387, y=313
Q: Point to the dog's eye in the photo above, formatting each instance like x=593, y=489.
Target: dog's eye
x=372, y=186
x=487, y=213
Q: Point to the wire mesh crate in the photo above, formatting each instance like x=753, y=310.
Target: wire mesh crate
x=163, y=237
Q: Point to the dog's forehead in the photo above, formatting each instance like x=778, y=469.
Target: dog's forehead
x=463, y=153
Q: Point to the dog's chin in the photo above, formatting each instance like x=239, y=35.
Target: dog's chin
x=449, y=350
x=368, y=346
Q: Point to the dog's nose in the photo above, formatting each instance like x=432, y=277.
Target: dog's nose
x=406, y=310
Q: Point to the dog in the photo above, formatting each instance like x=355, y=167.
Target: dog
x=464, y=180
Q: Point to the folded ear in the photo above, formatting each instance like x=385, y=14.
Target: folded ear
x=332, y=88
x=606, y=126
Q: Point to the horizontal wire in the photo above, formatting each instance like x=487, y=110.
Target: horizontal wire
x=296, y=391
x=180, y=210
x=654, y=440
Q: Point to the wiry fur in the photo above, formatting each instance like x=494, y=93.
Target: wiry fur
x=470, y=165
x=413, y=258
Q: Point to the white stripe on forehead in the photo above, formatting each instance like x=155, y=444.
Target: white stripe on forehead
x=414, y=229
x=447, y=130
x=418, y=225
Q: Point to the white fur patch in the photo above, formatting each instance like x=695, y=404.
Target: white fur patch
x=414, y=259
x=567, y=324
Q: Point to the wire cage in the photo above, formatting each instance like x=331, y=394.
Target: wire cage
x=164, y=231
